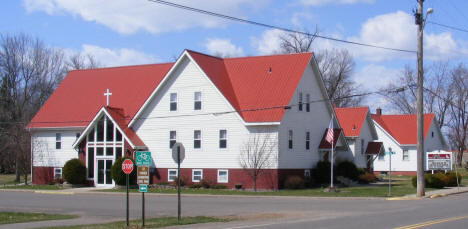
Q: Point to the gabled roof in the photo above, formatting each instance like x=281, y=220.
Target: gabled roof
x=81, y=94
x=351, y=119
x=246, y=83
x=403, y=127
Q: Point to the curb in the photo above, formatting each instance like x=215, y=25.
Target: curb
x=404, y=198
x=54, y=192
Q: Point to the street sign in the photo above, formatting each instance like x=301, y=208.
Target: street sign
x=143, y=188
x=439, y=160
x=127, y=166
x=143, y=175
x=178, y=147
x=143, y=158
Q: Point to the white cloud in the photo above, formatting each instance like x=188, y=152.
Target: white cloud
x=269, y=43
x=372, y=77
x=223, y=48
x=324, y=2
x=116, y=57
x=129, y=16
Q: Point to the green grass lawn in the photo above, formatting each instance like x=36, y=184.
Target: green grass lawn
x=400, y=186
x=21, y=217
x=149, y=223
x=31, y=187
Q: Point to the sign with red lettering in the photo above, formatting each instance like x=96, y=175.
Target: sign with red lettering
x=127, y=166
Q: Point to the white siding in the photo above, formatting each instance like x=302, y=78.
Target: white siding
x=43, y=146
x=360, y=159
x=154, y=131
x=433, y=139
x=315, y=121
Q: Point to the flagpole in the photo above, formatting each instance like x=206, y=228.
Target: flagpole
x=331, y=167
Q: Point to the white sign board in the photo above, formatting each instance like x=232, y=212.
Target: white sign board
x=439, y=160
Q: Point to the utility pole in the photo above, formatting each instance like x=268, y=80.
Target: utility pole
x=419, y=110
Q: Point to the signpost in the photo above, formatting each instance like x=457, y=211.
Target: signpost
x=178, y=154
x=143, y=161
x=127, y=168
x=390, y=171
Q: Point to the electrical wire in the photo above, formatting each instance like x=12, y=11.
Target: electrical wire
x=214, y=14
x=448, y=26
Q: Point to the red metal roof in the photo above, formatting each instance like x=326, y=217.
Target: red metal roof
x=374, y=147
x=403, y=127
x=351, y=119
x=81, y=94
x=119, y=117
x=247, y=83
x=324, y=144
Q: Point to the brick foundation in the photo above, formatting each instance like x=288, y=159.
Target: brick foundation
x=42, y=175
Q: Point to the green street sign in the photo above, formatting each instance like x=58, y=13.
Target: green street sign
x=143, y=158
x=143, y=188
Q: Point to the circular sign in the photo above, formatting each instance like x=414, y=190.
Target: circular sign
x=178, y=148
x=127, y=166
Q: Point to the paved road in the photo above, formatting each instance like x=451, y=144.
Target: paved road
x=263, y=212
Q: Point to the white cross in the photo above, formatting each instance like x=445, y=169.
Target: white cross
x=107, y=94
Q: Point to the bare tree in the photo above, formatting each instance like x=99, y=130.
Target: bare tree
x=459, y=110
x=81, y=61
x=258, y=154
x=29, y=71
x=336, y=66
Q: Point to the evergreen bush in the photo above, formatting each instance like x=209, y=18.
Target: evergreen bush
x=347, y=169
x=74, y=171
x=119, y=176
x=452, y=179
x=321, y=173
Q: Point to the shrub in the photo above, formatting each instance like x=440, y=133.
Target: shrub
x=163, y=183
x=119, y=176
x=74, y=171
x=219, y=186
x=452, y=179
x=367, y=178
x=361, y=171
x=206, y=183
x=321, y=172
x=195, y=186
x=435, y=180
x=183, y=181
x=414, y=181
x=294, y=182
x=347, y=169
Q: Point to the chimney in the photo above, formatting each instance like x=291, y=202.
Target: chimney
x=378, y=111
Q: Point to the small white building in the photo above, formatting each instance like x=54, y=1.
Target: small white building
x=399, y=133
x=211, y=105
x=359, y=131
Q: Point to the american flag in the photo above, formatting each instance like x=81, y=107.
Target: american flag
x=329, y=137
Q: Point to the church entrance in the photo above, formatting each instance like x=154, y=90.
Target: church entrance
x=104, y=172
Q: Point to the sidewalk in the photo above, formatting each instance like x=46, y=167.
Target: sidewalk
x=434, y=193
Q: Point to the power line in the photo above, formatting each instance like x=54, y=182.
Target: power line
x=206, y=12
x=448, y=26
x=395, y=90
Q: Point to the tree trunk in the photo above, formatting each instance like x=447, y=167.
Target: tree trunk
x=255, y=183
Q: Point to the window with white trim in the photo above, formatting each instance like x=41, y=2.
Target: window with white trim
x=197, y=100
x=405, y=155
x=57, y=173
x=307, y=140
x=171, y=174
x=197, y=175
x=307, y=173
x=290, y=139
x=223, y=176
x=362, y=146
x=308, y=102
x=173, y=102
x=300, y=101
x=172, y=138
x=58, y=140
x=222, y=139
x=196, y=139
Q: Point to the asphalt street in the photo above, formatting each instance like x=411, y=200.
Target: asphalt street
x=262, y=212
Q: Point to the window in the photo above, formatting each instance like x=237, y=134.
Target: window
x=381, y=157
x=109, y=151
x=307, y=140
x=58, y=173
x=405, y=155
x=171, y=174
x=300, y=101
x=58, y=140
x=90, y=162
x=99, y=151
x=173, y=103
x=172, y=138
x=222, y=139
x=197, y=100
x=77, y=135
x=196, y=139
x=223, y=176
x=197, y=175
x=362, y=146
x=307, y=173
x=308, y=103
x=91, y=135
x=290, y=139
x=100, y=130
x=432, y=134
x=109, y=130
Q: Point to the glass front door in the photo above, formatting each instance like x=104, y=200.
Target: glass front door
x=104, y=171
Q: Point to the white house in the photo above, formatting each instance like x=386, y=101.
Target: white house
x=211, y=105
x=359, y=131
x=399, y=133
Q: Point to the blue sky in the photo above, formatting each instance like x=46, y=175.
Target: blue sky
x=125, y=32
